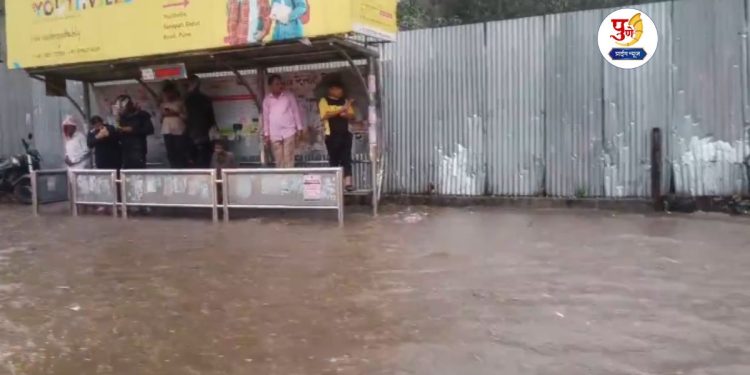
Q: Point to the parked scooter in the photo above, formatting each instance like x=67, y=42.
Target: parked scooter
x=15, y=173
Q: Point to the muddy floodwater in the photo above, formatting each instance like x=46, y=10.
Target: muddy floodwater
x=415, y=291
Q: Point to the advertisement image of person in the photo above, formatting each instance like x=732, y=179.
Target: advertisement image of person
x=173, y=127
x=288, y=18
x=282, y=122
x=134, y=127
x=105, y=142
x=263, y=22
x=238, y=22
x=335, y=112
x=77, y=153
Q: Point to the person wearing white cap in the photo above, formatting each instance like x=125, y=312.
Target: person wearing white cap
x=77, y=152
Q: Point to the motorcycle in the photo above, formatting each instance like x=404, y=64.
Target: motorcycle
x=15, y=173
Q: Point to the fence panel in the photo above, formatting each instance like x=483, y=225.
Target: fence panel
x=708, y=141
x=300, y=188
x=169, y=188
x=515, y=107
x=636, y=101
x=94, y=188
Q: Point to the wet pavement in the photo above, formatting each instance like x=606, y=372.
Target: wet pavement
x=419, y=291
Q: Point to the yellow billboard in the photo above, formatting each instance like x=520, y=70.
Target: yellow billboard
x=56, y=32
x=375, y=18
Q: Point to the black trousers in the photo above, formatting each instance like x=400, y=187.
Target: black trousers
x=339, y=145
x=178, y=150
x=202, y=153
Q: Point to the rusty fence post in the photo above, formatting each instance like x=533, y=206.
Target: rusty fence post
x=656, y=169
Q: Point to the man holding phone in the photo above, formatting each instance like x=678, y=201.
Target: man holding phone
x=134, y=127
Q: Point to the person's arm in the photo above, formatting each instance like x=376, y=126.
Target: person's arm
x=210, y=110
x=348, y=111
x=143, y=127
x=91, y=138
x=326, y=112
x=182, y=112
x=299, y=8
x=266, y=118
x=80, y=150
x=297, y=114
x=112, y=132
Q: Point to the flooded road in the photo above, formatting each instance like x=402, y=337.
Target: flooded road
x=420, y=291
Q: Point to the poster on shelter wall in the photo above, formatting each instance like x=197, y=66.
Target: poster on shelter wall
x=56, y=32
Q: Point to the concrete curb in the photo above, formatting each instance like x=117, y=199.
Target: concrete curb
x=624, y=205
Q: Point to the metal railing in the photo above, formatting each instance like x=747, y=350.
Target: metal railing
x=48, y=186
x=139, y=188
x=282, y=189
x=91, y=187
x=321, y=189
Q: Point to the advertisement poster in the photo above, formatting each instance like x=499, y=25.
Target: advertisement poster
x=54, y=32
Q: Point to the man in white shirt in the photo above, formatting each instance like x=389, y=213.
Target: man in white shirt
x=77, y=152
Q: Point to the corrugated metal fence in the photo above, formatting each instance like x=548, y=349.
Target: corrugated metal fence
x=529, y=107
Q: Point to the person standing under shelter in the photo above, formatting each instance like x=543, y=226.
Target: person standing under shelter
x=134, y=127
x=200, y=120
x=105, y=142
x=173, y=127
x=282, y=122
x=77, y=153
x=336, y=111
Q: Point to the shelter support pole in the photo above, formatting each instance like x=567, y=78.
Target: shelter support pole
x=87, y=101
x=62, y=89
x=372, y=119
x=149, y=90
x=349, y=59
x=656, y=169
x=262, y=73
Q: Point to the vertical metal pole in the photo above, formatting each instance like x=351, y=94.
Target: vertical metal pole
x=656, y=169
x=34, y=194
x=73, y=192
x=214, y=198
x=372, y=119
x=86, y=103
x=123, y=196
x=340, y=195
x=113, y=181
x=261, y=72
x=225, y=195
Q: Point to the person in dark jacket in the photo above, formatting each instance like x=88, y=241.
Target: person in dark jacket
x=105, y=141
x=200, y=120
x=134, y=126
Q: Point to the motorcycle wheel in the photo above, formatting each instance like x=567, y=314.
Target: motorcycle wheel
x=22, y=191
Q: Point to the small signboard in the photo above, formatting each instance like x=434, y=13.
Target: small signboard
x=313, y=187
x=164, y=72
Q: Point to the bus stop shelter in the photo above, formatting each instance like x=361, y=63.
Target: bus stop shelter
x=259, y=58
x=57, y=42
